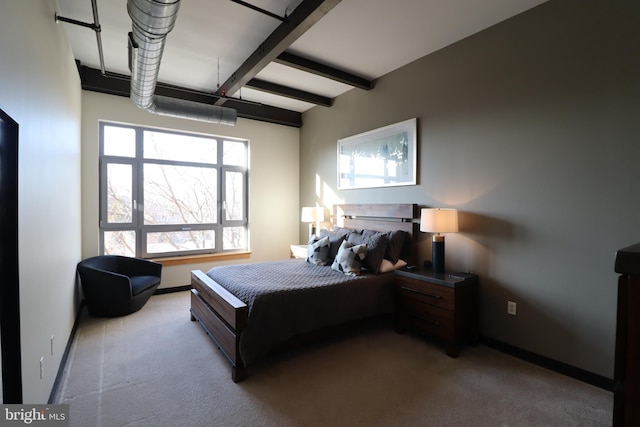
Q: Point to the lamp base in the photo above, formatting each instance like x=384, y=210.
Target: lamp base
x=437, y=253
x=312, y=230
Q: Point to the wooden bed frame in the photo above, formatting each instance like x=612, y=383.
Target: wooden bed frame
x=224, y=317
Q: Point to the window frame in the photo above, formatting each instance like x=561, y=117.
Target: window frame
x=137, y=223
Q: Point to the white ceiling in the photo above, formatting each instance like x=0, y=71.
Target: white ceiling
x=212, y=38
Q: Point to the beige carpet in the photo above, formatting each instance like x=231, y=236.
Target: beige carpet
x=157, y=368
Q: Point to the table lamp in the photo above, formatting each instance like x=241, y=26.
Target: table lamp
x=438, y=221
x=312, y=215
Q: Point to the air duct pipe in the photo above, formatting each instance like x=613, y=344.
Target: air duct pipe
x=151, y=21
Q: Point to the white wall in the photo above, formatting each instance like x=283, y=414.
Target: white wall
x=273, y=178
x=40, y=89
x=530, y=129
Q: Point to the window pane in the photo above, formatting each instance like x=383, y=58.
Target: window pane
x=182, y=148
x=119, y=193
x=159, y=186
x=176, y=241
x=234, y=153
x=179, y=195
x=120, y=243
x=119, y=141
x=233, y=238
x=234, y=196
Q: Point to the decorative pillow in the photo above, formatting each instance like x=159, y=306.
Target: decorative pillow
x=336, y=236
x=386, y=265
x=349, y=258
x=395, y=245
x=318, y=251
x=376, y=245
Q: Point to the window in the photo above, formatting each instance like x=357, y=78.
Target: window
x=165, y=193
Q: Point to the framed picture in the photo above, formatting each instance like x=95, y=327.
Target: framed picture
x=382, y=157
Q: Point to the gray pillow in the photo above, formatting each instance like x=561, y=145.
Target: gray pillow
x=336, y=236
x=376, y=246
x=349, y=258
x=395, y=245
x=318, y=251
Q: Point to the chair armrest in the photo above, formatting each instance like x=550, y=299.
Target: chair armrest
x=139, y=267
x=104, y=285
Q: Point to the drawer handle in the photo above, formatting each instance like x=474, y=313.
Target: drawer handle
x=424, y=319
x=404, y=288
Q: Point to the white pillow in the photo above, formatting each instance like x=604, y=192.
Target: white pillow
x=386, y=265
x=349, y=258
x=318, y=251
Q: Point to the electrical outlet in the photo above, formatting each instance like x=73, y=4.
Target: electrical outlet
x=511, y=308
x=42, y=367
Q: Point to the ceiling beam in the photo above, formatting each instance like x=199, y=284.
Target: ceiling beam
x=294, y=61
x=120, y=85
x=261, y=10
x=307, y=14
x=289, y=92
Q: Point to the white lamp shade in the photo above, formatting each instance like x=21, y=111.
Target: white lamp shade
x=438, y=220
x=312, y=214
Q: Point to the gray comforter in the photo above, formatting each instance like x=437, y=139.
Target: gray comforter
x=290, y=297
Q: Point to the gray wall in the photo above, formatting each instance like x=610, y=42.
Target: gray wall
x=530, y=129
x=40, y=89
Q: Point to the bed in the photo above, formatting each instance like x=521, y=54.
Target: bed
x=250, y=309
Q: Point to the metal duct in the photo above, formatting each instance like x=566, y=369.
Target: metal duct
x=151, y=21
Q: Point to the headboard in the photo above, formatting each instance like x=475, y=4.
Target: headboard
x=381, y=217
x=378, y=217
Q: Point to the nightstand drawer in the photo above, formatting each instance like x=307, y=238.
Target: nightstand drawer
x=429, y=319
x=426, y=292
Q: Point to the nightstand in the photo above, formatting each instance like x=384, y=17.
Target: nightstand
x=442, y=305
x=298, y=251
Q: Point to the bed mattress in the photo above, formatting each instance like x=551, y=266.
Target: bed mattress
x=292, y=297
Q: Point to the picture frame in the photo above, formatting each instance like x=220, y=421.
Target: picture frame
x=383, y=157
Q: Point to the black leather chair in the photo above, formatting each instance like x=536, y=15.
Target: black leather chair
x=115, y=285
